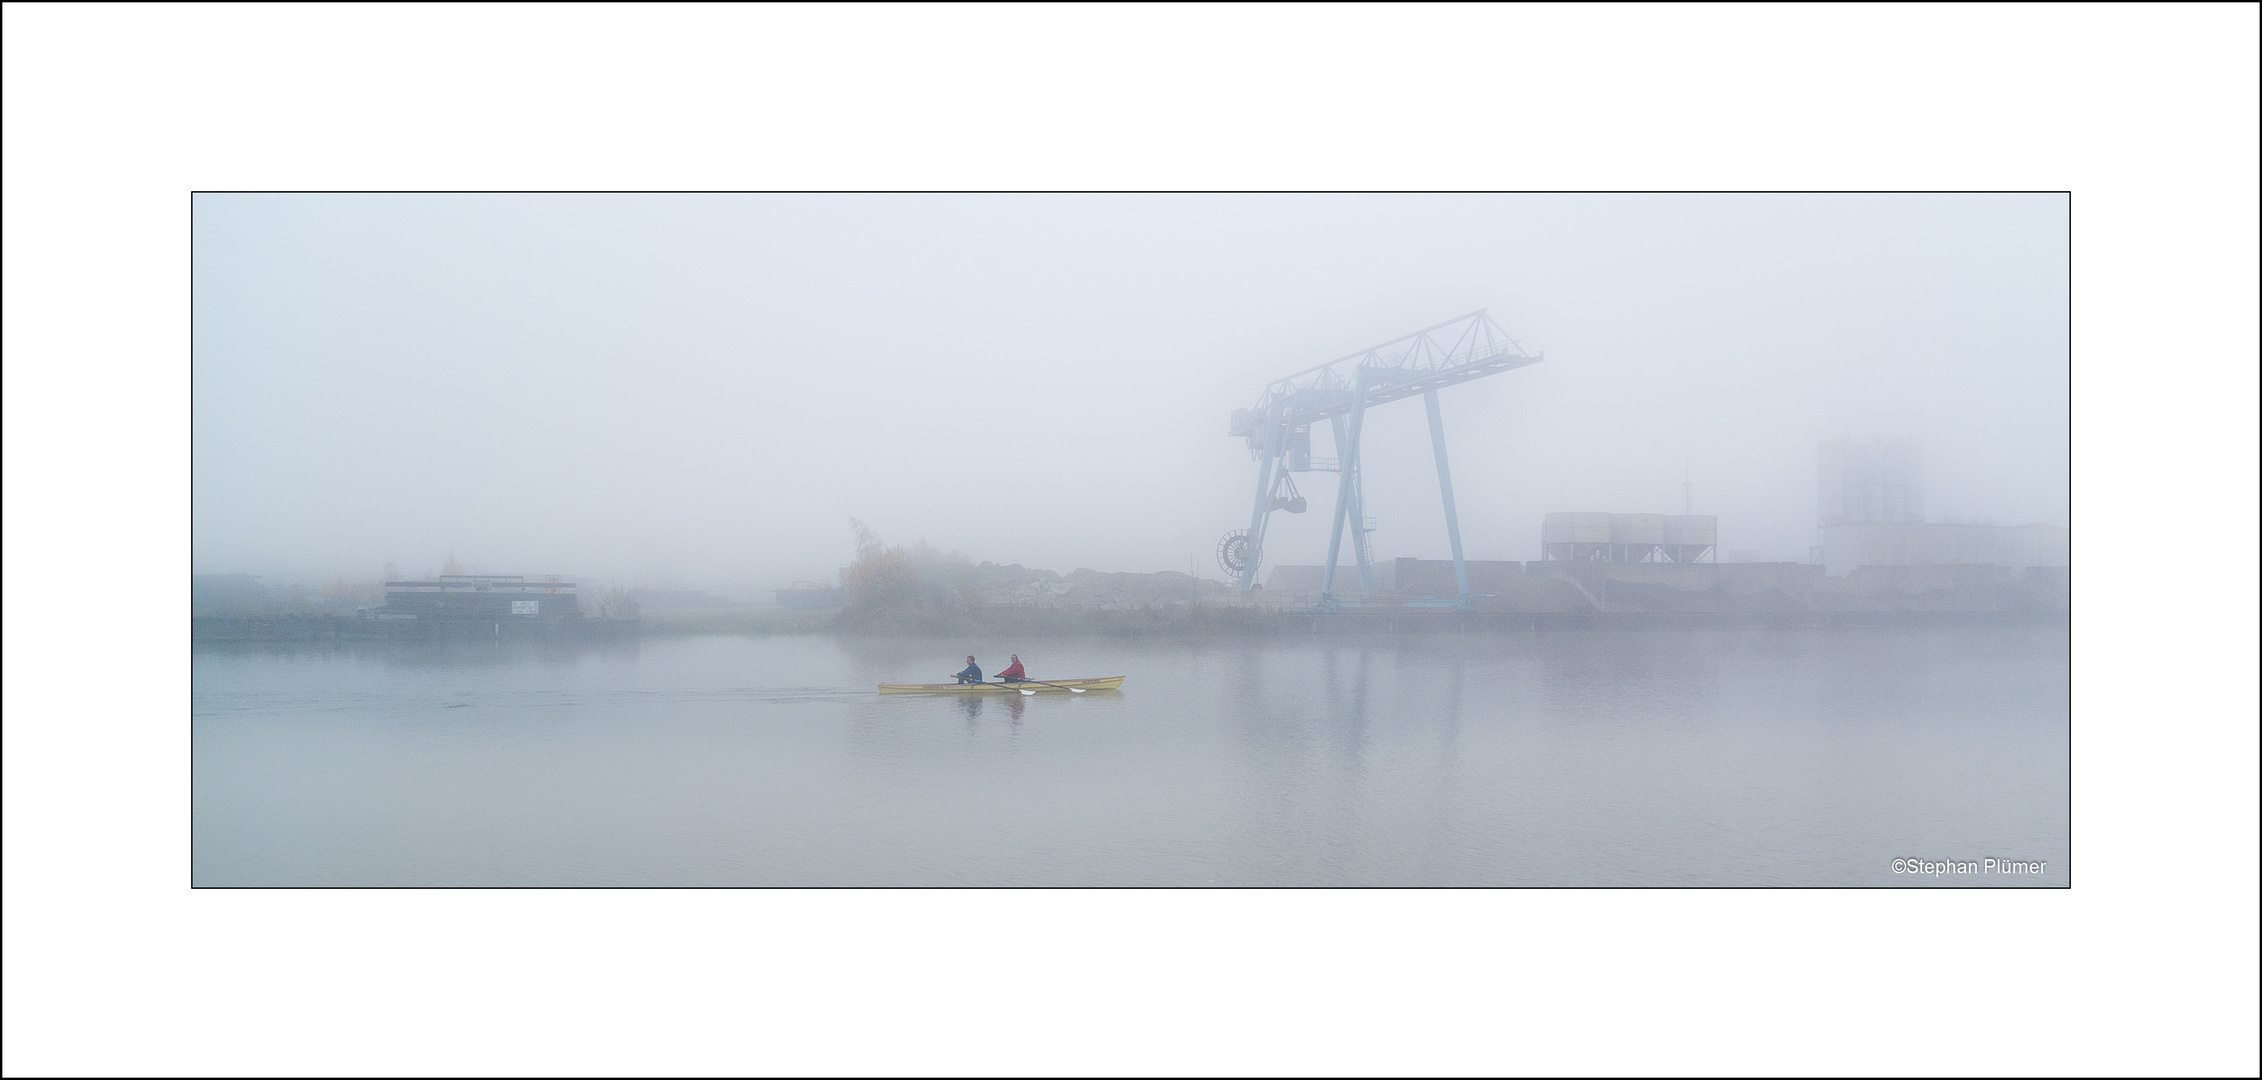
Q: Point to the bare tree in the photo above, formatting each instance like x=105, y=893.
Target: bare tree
x=867, y=541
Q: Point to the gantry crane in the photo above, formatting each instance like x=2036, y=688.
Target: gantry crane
x=1279, y=431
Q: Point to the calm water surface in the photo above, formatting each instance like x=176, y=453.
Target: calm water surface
x=1585, y=758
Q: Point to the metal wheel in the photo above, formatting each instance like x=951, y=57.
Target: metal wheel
x=1233, y=552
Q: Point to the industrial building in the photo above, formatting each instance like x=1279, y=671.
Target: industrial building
x=481, y=597
x=1629, y=538
x=1870, y=512
x=1873, y=482
x=1846, y=548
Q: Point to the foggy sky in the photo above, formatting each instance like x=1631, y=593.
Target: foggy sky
x=700, y=390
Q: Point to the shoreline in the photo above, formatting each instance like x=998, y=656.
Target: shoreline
x=1057, y=622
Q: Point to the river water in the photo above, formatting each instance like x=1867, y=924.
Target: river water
x=1569, y=758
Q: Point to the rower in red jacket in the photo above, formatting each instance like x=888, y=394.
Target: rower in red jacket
x=1013, y=672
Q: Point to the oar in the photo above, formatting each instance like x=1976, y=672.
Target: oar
x=1054, y=685
x=1024, y=693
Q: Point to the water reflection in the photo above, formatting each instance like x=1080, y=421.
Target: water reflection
x=974, y=704
x=1591, y=758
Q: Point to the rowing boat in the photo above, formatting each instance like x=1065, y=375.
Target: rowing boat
x=1052, y=686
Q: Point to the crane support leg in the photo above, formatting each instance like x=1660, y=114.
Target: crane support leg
x=1346, y=487
x=1261, y=511
x=1359, y=551
x=1445, y=489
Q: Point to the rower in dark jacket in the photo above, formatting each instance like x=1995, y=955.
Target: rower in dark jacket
x=973, y=672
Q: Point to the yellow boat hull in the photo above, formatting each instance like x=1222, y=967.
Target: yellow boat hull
x=1049, y=686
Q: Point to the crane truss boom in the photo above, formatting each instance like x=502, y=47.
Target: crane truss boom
x=1452, y=352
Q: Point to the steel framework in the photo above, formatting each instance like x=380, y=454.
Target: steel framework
x=1339, y=392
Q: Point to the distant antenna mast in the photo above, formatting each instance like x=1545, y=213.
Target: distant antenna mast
x=1685, y=487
